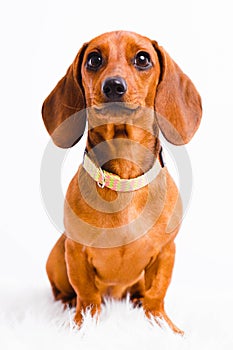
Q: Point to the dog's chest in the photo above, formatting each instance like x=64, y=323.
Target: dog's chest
x=121, y=265
x=92, y=220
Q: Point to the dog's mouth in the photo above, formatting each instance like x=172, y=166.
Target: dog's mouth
x=120, y=114
x=115, y=108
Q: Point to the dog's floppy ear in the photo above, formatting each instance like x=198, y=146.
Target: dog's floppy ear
x=177, y=102
x=63, y=110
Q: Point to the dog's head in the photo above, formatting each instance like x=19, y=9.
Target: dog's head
x=122, y=71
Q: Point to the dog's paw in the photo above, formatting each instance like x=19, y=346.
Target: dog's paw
x=160, y=316
x=83, y=309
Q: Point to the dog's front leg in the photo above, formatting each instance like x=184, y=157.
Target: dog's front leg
x=82, y=278
x=157, y=279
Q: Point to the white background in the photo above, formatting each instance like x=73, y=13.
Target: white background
x=39, y=40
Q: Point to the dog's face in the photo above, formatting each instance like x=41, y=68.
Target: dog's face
x=120, y=67
x=128, y=71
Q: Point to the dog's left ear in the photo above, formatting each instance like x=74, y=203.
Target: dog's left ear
x=177, y=102
x=63, y=110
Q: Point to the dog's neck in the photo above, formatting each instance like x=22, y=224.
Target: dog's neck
x=125, y=149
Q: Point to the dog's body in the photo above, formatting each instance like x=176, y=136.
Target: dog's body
x=122, y=79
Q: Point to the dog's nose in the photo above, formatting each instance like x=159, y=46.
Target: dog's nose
x=114, y=88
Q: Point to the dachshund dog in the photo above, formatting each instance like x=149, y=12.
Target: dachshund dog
x=122, y=209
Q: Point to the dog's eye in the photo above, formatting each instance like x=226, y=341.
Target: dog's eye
x=94, y=61
x=142, y=60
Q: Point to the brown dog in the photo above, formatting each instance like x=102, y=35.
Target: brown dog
x=120, y=239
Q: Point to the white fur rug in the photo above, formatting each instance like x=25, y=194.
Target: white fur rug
x=30, y=319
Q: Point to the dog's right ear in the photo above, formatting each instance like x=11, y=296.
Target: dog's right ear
x=63, y=110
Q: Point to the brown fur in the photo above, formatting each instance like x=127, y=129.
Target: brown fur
x=83, y=274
